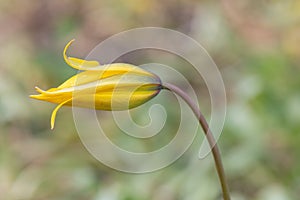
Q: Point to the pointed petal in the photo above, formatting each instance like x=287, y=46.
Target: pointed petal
x=39, y=89
x=36, y=96
x=54, y=112
x=77, y=63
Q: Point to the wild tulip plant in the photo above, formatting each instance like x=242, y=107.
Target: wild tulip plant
x=119, y=86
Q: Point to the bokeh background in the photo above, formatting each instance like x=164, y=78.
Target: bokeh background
x=255, y=44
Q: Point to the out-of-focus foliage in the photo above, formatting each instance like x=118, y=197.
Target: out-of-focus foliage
x=254, y=43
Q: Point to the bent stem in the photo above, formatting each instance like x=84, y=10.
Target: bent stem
x=208, y=134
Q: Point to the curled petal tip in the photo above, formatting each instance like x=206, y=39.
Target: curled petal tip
x=65, y=49
x=77, y=63
x=39, y=89
x=54, y=112
x=71, y=41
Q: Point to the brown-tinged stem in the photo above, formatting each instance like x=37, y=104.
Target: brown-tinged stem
x=208, y=134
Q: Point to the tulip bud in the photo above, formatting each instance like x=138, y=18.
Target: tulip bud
x=116, y=86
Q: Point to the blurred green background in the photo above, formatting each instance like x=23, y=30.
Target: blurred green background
x=255, y=44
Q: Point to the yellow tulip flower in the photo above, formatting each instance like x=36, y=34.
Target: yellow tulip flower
x=119, y=86
x=116, y=86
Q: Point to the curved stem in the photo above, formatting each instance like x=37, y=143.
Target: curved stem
x=208, y=134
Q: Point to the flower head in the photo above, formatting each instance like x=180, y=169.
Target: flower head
x=116, y=86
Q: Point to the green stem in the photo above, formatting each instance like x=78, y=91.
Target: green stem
x=208, y=134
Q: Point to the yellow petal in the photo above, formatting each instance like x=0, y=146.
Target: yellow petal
x=121, y=100
x=77, y=63
x=54, y=112
x=104, y=72
x=117, y=92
